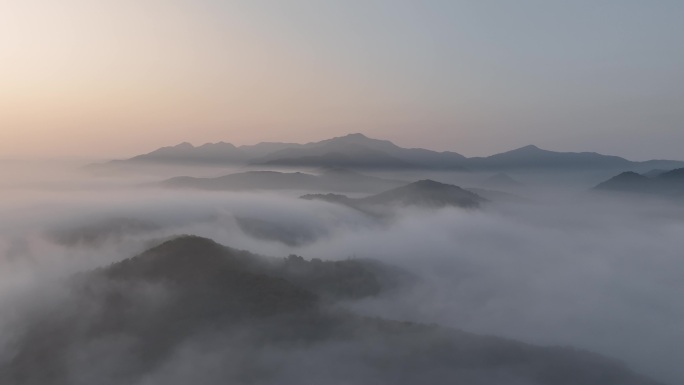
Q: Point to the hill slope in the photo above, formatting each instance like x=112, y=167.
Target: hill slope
x=665, y=184
x=193, y=311
x=427, y=193
x=424, y=193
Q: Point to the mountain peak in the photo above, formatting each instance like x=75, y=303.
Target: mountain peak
x=181, y=259
x=221, y=145
x=627, y=181
x=429, y=184
x=190, y=249
x=355, y=138
x=356, y=135
x=673, y=174
x=529, y=147
x=186, y=241
x=429, y=193
x=529, y=150
x=629, y=174
x=184, y=146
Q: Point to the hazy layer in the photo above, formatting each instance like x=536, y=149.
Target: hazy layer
x=603, y=275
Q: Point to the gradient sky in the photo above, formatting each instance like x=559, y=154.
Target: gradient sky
x=112, y=78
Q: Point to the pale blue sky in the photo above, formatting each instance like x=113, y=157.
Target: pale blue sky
x=475, y=77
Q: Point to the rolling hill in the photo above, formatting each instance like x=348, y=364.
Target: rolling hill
x=665, y=184
x=193, y=311
x=424, y=193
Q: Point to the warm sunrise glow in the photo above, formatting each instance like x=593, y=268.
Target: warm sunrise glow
x=114, y=78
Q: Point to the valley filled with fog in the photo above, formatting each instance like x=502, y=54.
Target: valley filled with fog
x=532, y=260
x=307, y=192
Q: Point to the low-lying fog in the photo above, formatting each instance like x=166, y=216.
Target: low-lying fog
x=589, y=272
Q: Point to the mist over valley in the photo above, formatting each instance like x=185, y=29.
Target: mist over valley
x=480, y=276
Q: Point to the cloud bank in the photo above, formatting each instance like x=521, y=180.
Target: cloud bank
x=602, y=276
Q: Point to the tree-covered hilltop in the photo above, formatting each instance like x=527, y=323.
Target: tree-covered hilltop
x=187, y=258
x=193, y=311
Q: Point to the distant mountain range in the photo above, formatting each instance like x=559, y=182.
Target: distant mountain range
x=330, y=179
x=357, y=151
x=193, y=311
x=341, y=181
x=657, y=182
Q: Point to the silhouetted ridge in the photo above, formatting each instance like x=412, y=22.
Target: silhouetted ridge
x=356, y=135
x=676, y=174
x=361, y=152
x=628, y=180
x=189, y=259
x=228, y=278
x=530, y=148
x=666, y=184
x=654, y=173
x=181, y=146
x=423, y=193
x=353, y=156
x=427, y=193
x=181, y=258
x=533, y=157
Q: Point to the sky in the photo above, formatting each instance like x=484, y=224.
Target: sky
x=98, y=78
